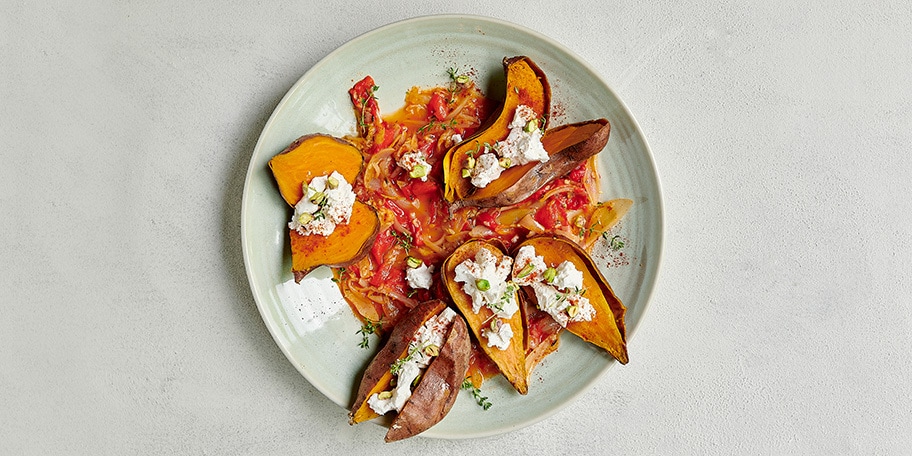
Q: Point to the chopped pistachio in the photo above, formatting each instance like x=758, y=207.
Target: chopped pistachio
x=318, y=198
x=495, y=324
x=462, y=79
x=531, y=126
x=412, y=262
x=432, y=350
x=305, y=218
x=483, y=284
x=418, y=171
x=572, y=310
x=416, y=380
x=466, y=172
x=505, y=162
x=332, y=182
x=470, y=162
x=525, y=271
x=384, y=395
x=550, y=274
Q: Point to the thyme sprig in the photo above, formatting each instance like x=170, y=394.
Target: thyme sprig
x=363, y=101
x=397, y=366
x=404, y=239
x=615, y=242
x=482, y=401
x=368, y=328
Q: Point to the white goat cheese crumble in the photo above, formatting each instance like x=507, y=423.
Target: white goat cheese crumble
x=522, y=145
x=419, y=277
x=326, y=202
x=416, y=164
x=487, y=169
x=558, y=291
x=499, y=338
x=485, y=280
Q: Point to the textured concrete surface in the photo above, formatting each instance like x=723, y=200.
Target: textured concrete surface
x=780, y=323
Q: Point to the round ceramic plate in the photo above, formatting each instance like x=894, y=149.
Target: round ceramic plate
x=312, y=323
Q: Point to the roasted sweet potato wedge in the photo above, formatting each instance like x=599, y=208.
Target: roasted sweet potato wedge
x=606, y=327
x=346, y=245
x=510, y=360
x=526, y=85
x=436, y=393
x=311, y=156
x=567, y=147
x=319, y=155
x=433, y=391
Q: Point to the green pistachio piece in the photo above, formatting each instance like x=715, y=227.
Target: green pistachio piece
x=550, y=274
x=305, y=218
x=525, y=271
x=483, y=284
x=318, y=198
x=418, y=171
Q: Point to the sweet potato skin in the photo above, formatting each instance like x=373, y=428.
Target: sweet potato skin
x=567, y=146
x=436, y=393
x=377, y=376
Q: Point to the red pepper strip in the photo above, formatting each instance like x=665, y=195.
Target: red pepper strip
x=365, y=103
x=437, y=107
x=487, y=218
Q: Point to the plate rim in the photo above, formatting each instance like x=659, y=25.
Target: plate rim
x=657, y=259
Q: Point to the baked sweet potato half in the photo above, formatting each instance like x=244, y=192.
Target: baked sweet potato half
x=432, y=392
x=526, y=85
x=347, y=244
x=485, y=319
x=567, y=147
x=605, y=328
x=313, y=156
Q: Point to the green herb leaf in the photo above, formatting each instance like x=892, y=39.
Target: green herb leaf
x=368, y=328
x=405, y=239
x=482, y=401
x=615, y=242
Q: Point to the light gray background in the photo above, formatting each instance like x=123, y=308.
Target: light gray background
x=780, y=323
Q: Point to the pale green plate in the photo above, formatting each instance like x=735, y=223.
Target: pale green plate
x=312, y=324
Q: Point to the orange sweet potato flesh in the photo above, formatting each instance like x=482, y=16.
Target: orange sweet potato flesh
x=377, y=376
x=312, y=156
x=317, y=155
x=606, y=329
x=526, y=85
x=512, y=361
x=567, y=147
x=347, y=244
x=436, y=393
